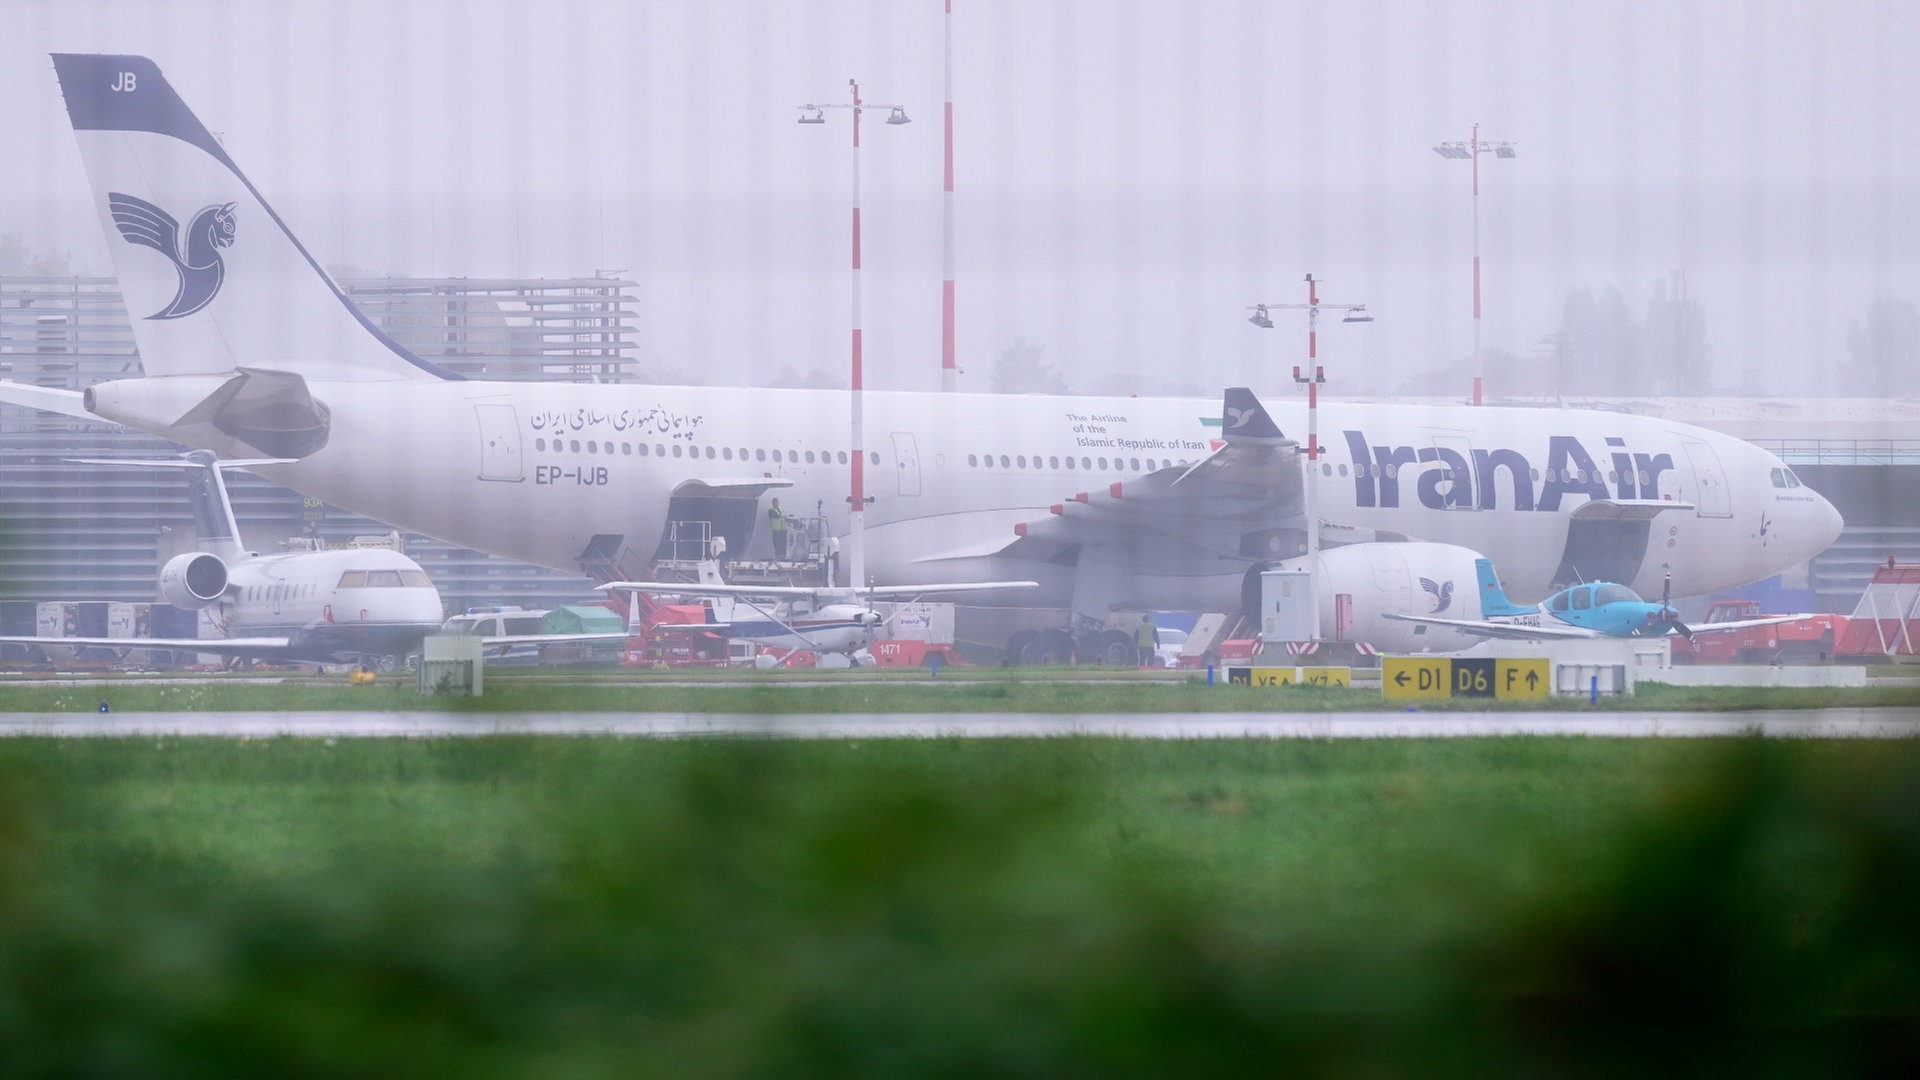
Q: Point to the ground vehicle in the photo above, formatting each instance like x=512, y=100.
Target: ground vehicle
x=1171, y=643
x=1806, y=639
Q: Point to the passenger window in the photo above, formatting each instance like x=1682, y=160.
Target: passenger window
x=1003, y=462
x=539, y=444
x=809, y=457
x=1021, y=461
x=759, y=455
x=973, y=461
x=1053, y=463
x=1086, y=463
x=843, y=457
x=676, y=450
x=709, y=453
x=1103, y=462
x=727, y=453
x=1343, y=470
x=1582, y=599
x=1134, y=464
x=875, y=456
x=1069, y=463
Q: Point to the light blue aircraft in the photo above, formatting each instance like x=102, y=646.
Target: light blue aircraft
x=1594, y=609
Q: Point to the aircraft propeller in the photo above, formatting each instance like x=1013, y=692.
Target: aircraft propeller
x=1667, y=614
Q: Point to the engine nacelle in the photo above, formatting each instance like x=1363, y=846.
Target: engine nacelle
x=194, y=580
x=1404, y=579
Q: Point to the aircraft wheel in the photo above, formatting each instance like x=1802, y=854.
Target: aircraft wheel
x=1016, y=651
x=1117, y=650
x=1053, y=647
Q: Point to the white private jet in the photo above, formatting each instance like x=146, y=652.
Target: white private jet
x=336, y=605
x=249, y=349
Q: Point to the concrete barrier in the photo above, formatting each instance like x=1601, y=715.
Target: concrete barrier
x=1758, y=675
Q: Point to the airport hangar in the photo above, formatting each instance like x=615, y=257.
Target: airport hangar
x=76, y=532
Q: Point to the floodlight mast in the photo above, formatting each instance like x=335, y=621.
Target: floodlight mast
x=1261, y=317
x=857, y=498
x=1471, y=151
x=948, y=368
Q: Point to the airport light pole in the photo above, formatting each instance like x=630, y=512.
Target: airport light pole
x=1262, y=318
x=1471, y=151
x=857, y=500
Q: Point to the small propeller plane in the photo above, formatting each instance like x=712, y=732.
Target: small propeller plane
x=838, y=621
x=1593, y=609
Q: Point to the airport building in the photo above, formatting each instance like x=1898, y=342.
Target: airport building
x=85, y=532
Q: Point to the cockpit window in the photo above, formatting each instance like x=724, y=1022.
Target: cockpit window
x=1614, y=594
x=1558, y=603
x=353, y=579
x=415, y=579
x=1779, y=478
x=1582, y=599
x=1792, y=480
x=383, y=579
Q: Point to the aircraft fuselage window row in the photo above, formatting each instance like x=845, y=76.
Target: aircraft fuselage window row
x=724, y=453
x=1020, y=461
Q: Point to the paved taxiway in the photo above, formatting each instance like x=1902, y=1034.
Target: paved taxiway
x=1874, y=723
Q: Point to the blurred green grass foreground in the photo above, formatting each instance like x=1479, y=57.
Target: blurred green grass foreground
x=1060, y=907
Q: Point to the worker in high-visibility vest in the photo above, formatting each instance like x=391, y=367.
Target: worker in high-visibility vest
x=1146, y=637
x=777, y=524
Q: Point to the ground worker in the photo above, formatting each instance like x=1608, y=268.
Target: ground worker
x=777, y=525
x=1147, y=638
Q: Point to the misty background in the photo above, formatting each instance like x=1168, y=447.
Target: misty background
x=1708, y=196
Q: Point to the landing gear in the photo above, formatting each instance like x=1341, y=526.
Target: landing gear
x=1109, y=647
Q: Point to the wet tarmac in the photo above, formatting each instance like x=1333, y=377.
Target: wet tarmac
x=1867, y=723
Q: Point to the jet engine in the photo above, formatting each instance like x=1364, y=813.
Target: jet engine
x=1415, y=578
x=193, y=581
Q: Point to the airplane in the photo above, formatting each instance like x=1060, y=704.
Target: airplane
x=249, y=349
x=823, y=620
x=1595, y=609
x=342, y=605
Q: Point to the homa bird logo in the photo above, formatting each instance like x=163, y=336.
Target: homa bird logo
x=1442, y=594
x=198, y=265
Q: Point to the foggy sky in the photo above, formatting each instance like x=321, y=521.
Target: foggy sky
x=1130, y=175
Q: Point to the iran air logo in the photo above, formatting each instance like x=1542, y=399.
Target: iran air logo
x=1442, y=594
x=195, y=257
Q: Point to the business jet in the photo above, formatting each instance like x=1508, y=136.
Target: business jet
x=330, y=606
x=250, y=350
x=1595, y=609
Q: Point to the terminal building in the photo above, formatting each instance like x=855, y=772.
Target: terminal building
x=80, y=532
x=85, y=532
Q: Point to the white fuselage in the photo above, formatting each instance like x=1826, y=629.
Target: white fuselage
x=536, y=471
x=333, y=604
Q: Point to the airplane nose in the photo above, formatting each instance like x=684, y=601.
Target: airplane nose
x=1826, y=525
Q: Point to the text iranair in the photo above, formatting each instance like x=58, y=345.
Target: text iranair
x=1477, y=484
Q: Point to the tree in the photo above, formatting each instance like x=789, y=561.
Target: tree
x=16, y=258
x=1676, y=338
x=1885, y=346
x=1020, y=370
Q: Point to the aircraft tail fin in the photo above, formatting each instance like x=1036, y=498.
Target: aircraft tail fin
x=212, y=277
x=1243, y=417
x=1493, y=599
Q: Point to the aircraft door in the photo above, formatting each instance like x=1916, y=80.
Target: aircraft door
x=1710, y=484
x=906, y=463
x=499, y=443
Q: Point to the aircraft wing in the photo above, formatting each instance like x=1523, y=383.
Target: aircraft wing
x=878, y=592
x=1505, y=631
x=1742, y=624
x=560, y=639
x=46, y=398
x=1249, y=485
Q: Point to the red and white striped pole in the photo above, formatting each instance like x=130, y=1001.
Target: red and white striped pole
x=856, y=519
x=948, y=370
x=1479, y=359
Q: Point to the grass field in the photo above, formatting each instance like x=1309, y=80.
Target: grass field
x=980, y=693
x=1059, y=907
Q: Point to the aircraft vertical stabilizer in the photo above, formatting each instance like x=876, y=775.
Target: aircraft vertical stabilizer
x=1493, y=599
x=212, y=278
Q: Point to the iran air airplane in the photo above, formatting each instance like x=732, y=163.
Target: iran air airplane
x=250, y=350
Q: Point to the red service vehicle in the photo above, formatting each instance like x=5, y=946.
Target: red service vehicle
x=1802, y=640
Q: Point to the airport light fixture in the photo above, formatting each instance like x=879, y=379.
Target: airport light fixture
x=1471, y=151
x=1262, y=317
x=857, y=499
